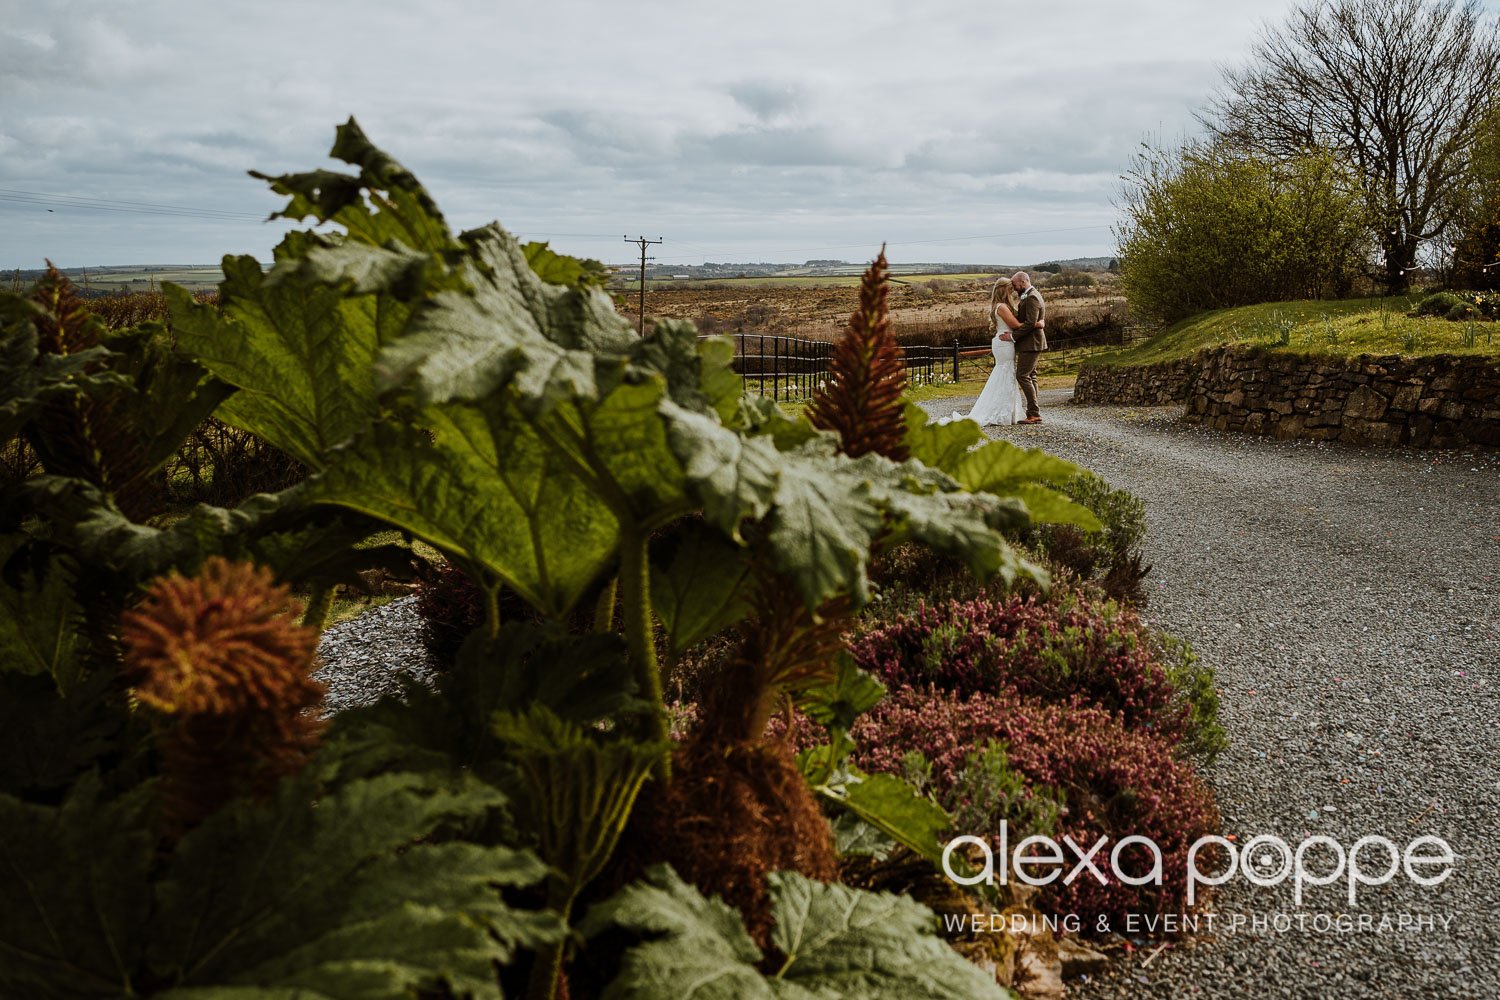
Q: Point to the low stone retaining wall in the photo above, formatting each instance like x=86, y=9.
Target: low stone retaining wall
x=1443, y=401
x=1143, y=385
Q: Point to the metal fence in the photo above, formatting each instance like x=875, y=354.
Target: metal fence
x=792, y=368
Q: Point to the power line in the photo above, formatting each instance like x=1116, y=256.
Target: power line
x=55, y=201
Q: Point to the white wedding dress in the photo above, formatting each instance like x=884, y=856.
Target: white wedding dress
x=1001, y=401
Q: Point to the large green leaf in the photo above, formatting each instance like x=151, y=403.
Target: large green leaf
x=558, y=269
x=484, y=487
x=837, y=942
x=940, y=445
x=698, y=585
x=508, y=327
x=822, y=512
x=840, y=942
x=961, y=450
x=300, y=353
x=698, y=948
x=74, y=881
x=734, y=477
x=397, y=210
x=580, y=786
x=39, y=617
x=338, y=895
x=171, y=395
x=893, y=807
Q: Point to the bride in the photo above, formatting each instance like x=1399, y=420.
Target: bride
x=1001, y=401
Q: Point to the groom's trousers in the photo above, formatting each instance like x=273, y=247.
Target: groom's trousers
x=1026, y=376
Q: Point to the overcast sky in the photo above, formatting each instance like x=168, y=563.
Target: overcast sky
x=975, y=132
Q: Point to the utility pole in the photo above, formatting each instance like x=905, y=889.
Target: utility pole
x=643, y=243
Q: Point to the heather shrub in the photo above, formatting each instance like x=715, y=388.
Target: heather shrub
x=1064, y=650
x=1113, y=781
x=1194, y=684
x=986, y=789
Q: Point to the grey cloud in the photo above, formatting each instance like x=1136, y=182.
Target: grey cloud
x=766, y=99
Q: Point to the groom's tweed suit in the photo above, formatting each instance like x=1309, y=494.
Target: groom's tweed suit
x=1031, y=341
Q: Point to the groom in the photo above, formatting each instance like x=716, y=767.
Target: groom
x=1030, y=339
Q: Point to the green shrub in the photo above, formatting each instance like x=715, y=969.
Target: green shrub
x=1111, y=557
x=1208, y=226
x=987, y=790
x=1439, y=304
x=1193, y=682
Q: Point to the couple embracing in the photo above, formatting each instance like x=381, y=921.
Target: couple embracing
x=1020, y=318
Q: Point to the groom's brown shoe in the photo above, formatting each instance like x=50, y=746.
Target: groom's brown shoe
x=1032, y=420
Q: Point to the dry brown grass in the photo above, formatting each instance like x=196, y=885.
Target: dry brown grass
x=921, y=314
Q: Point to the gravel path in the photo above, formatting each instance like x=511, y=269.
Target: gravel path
x=1349, y=600
x=365, y=657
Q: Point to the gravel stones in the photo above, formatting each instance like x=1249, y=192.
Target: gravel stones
x=364, y=658
x=1349, y=601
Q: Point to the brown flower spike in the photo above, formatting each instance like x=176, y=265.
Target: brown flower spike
x=867, y=378
x=220, y=657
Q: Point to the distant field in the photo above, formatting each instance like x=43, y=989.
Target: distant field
x=1343, y=328
x=795, y=281
x=188, y=277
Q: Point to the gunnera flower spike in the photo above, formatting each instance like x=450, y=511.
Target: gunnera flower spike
x=222, y=662
x=862, y=399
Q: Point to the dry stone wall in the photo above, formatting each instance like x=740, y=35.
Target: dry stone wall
x=1444, y=401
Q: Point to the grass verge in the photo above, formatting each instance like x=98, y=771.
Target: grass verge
x=1343, y=328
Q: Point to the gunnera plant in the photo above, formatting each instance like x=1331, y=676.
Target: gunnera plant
x=1062, y=649
x=1112, y=781
x=223, y=665
x=730, y=815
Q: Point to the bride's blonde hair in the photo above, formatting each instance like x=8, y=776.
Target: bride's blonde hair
x=1012, y=299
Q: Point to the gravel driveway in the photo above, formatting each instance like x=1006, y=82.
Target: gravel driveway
x=1349, y=600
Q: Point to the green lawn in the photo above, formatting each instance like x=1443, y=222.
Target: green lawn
x=1345, y=328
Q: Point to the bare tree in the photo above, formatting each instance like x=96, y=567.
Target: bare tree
x=1395, y=87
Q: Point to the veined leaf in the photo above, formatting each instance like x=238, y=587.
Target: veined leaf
x=733, y=477
x=893, y=807
x=992, y=466
x=700, y=949
x=301, y=354
x=508, y=328
x=837, y=942
x=74, y=881
x=877, y=946
x=1049, y=506
x=29, y=379
x=698, y=587
x=559, y=269
x=580, y=788
x=486, y=489
x=356, y=908
x=398, y=210
x=852, y=693
x=39, y=619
